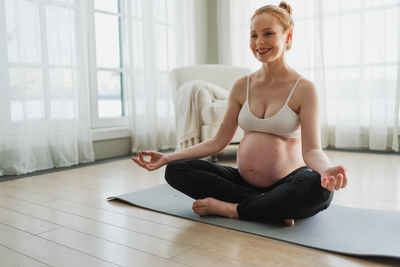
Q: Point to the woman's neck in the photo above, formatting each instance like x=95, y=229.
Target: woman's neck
x=275, y=70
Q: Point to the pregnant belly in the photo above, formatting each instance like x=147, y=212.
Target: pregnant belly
x=263, y=159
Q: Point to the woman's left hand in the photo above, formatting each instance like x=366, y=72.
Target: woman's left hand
x=334, y=178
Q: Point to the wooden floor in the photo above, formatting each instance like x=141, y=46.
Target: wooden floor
x=63, y=219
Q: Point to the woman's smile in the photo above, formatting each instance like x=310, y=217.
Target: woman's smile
x=263, y=51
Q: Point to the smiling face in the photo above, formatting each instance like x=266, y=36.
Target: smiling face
x=267, y=38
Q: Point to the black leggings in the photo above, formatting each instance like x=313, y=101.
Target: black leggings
x=298, y=195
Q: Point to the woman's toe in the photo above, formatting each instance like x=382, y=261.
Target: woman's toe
x=289, y=222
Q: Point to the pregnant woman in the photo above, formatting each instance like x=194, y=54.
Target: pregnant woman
x=282, y=173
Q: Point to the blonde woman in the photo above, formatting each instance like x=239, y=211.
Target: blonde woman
x=282, y=173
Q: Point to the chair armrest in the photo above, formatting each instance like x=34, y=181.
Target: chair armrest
x=206, y=97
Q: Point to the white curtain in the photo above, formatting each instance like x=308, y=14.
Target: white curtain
x=158, y=37
x=44, y=110
x=350, y=49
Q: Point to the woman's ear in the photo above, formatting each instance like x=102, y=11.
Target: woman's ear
x=289, y=36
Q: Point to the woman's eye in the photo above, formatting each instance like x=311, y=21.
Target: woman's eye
x=253, y=36
x=268, y=33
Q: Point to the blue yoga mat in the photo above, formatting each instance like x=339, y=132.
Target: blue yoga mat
x=352, y=231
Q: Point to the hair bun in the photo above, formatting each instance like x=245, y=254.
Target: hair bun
x=286, y=7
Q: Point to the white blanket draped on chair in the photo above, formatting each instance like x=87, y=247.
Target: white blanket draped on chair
x=188, y=111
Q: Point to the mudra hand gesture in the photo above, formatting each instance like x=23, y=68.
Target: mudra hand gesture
x=334, y=178
x=156, y=160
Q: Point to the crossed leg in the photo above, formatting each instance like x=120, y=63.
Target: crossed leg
x=217, y=188
x=212, y=206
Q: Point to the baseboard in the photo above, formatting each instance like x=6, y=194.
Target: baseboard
x=105, y=149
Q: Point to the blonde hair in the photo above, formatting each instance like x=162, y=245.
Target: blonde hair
x=283, y=13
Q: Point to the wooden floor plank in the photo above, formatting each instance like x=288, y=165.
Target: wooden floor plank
x=196, y=234
x=200, y=257
x=105, y=250
x=24, y=222
x=46, y=251
x=9, y=257
x=135, y=240
x=104, y=216
x=22, y=190
x=75, y=199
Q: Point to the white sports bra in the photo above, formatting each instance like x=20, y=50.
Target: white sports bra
x=284, y=123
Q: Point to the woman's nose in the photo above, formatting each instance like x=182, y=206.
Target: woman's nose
x=259, y=41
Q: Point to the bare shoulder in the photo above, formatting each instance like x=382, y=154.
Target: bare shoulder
x=306, y=85
x=238, y=92
x=240, y=84
x=306, y=90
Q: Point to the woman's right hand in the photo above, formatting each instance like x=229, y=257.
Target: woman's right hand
x=156, y=160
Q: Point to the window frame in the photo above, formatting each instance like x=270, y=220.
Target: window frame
x=96, y=121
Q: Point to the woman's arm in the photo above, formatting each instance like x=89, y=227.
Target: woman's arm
x=209, y=147
x=332, y=177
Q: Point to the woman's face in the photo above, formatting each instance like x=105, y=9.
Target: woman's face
x=267, y=38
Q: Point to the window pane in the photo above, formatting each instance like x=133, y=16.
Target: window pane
x=63, y=109
x=63, y=88
x=109, y=93
x=107, y=41
x=392, y=40
x=172, y=60
x=26, y=83
x=64, y=1
x=137, y=41
x=163, y=108
x=338, y=6
x=171, y=8
x=163, y=90
x=377, y=3
x=23, y=36
x=303, y=48
x=160, y=10
x=27, y=110
x=106, y=5
x=342, y=40
x=137, y=8
x=161, y=41
x=304, y=8
x=62, y=83
x=374, y=36
x=60, y=35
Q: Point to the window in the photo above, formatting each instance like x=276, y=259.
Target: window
x=106, y=65
x=360, y=54
x=42, y=79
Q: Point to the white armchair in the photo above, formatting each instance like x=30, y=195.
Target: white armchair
x=209, y=110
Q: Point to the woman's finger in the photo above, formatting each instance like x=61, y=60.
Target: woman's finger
x=148, y=153
x=331, y=183
x=141, y=164
x=324, y=182
x=344, y=183
x=141, y=157
x=136, y=161
x=339, y=181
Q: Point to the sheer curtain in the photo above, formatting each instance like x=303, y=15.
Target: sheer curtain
x=159, y=37
x=350, y=49
x=44, y=111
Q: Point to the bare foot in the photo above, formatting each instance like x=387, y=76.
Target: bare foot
x=289, y=222
x=212, y=206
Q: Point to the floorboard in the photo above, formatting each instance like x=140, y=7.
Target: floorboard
x=63, y=219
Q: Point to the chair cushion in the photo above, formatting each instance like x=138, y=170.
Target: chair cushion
x=212, y=113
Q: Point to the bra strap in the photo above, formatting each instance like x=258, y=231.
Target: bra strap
x=294, y=87
x=248, y=82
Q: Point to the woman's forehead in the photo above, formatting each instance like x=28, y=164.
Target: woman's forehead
x=264, y=21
